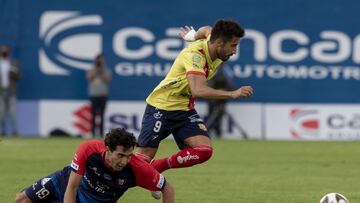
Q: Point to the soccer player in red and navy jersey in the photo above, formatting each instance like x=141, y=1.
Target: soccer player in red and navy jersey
x=101, y=171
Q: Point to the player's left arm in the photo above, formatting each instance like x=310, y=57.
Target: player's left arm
x=71, y=189
x=168, y=193
x=189, y=34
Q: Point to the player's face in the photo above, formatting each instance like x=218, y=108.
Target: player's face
x=119, y=158
x=228, y=49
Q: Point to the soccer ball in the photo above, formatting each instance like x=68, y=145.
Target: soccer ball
x=334, y=198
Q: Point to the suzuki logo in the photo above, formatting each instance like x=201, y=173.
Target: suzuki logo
x=84, y=117
x=65, y=44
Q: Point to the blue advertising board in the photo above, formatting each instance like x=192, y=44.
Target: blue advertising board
x=294, y=51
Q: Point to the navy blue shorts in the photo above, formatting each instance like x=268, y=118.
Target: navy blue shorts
x=50, y=188
x=158, y=124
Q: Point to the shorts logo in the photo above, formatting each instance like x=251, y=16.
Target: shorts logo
x=195, y=118
x=74, y=166
x=202, y=127
x=44, y=181
x=154, y=137
x=64, y=47
x=158, y=115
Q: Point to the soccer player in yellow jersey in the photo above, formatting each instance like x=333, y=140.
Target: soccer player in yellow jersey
x=170, y=106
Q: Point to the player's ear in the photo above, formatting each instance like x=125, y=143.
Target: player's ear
x=107, y=149
x=219, y=42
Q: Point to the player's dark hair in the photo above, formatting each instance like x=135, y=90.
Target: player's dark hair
x=226, y=30
x=119, y=137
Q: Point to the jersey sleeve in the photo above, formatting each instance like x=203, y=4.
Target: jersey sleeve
x=146, y=176
x=78, y=164
x=194, y=63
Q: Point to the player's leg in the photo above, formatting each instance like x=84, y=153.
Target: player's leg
x=42, y=190
x=194, y=142
x=153, y=130
x=22, y=198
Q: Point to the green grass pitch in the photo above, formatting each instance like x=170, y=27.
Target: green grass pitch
x=239, y=171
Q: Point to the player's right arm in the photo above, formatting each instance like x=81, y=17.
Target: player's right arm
x=149, y=178
x=200, y=89
x=71, y=189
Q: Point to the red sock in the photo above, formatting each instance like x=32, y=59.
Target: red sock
x=185, y=158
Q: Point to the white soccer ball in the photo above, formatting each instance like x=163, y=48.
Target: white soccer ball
x=334, y=198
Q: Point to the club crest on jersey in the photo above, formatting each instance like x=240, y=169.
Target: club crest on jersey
x=120, y=181
x=202, y=127
x=196, y=58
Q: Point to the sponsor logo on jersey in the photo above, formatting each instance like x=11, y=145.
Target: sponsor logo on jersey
x=107, y=176
x=95, y=170
x=44, y=181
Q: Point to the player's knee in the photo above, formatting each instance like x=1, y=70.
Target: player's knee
x=22, y=198
x=205, y=152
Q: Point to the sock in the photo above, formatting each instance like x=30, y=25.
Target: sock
x=185, y=158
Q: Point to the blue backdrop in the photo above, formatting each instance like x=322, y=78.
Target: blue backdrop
x=295, y=51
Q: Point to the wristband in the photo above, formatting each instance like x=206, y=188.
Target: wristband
x=190, y=36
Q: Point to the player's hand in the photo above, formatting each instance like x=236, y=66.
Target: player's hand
x=245, y=91
x=187, y=33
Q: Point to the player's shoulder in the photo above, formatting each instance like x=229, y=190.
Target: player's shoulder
x=92, y=145
x=196, y=50
x=197, y=47
x=138, y=163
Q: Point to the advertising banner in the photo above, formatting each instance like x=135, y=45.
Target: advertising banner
x=293, y=51
x=74, y=118
x=312, y=122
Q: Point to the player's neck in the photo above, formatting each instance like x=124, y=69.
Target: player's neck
x=106, y=160
x=212, y=51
